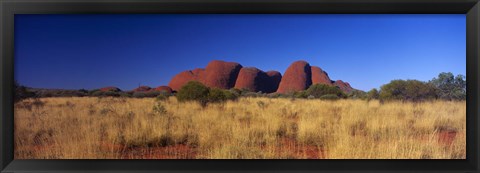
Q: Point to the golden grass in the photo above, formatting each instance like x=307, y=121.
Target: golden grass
x=250, y=128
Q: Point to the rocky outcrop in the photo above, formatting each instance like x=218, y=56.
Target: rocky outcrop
x=297, y=77
x=221, y=74
x=344, y=86
x=163, y=89
x=110, y=88
x=225, y=75
x=274, y=80
x=142, y=89
x=252, y=79
x=320, y=77
x=184, y=77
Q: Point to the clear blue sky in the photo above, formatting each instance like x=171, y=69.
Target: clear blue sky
x=92, y=51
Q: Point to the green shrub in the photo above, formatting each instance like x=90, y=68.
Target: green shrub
x=300, y=94
x=373, y=94
x=193, y=91
x=150, y=94
x=111, y=94
x=408, y=90
x=329, y=97
x=357, y=94
x=235, y=91
x=216, y=95
x=319, y=90
x=163, y=95
x=231, y=95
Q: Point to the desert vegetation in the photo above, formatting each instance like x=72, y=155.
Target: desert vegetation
x=279, y=128
x=405, y=119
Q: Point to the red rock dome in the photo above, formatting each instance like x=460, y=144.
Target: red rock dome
x=184, y=77
x=320, y=77
x=297, y=77
x=344, y=86
x=221, y=74
x=110, y=88
x=142, y=89
x=163, y=88
x=252, y=79
x=274, y=80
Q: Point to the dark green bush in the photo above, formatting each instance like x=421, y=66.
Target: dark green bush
x=408, y=90
x=216, y=95
x=319, y=90
x=231, y=95
x=148, y=94
x=357, y=94
x=99, y=93
x=236, y=92
x=163, y=95
x=329, y=97
x=373, y=94
x=193, y=91
x=300, y=94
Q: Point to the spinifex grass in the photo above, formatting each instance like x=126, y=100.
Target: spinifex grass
x=130, y=128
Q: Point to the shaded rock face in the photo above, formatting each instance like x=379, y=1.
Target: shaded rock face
x=320, y=77
x=221, y=74
x=110, y=88
x=297, y=77
x=184, y=77
x=274, y=80
x=142, y=89
x=252, y=79
x=344, y=86
x=164, y=89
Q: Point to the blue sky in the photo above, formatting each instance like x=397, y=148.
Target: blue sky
x=93, y=51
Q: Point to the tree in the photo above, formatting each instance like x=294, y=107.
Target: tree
x=407, y=90
x=373, y=94
x=450, y=87
x=193, y=91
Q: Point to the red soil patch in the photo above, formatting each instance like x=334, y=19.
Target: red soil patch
x=447, y=136
x=292, y=148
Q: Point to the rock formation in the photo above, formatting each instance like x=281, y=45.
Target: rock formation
x=344, y=86
x=142, y=89
x=163, y=89
x=184, y=77
x=320, y=77
x=225, y=75
x=110, y=88
x=298, y=77
x=252, y=79
x=274, y=80
x=221, y=74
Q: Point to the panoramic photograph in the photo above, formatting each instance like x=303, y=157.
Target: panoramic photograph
x=240, y=86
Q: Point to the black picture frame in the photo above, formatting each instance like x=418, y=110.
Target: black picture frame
x=8, y=9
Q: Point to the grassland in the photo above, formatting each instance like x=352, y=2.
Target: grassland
x=250, y=128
